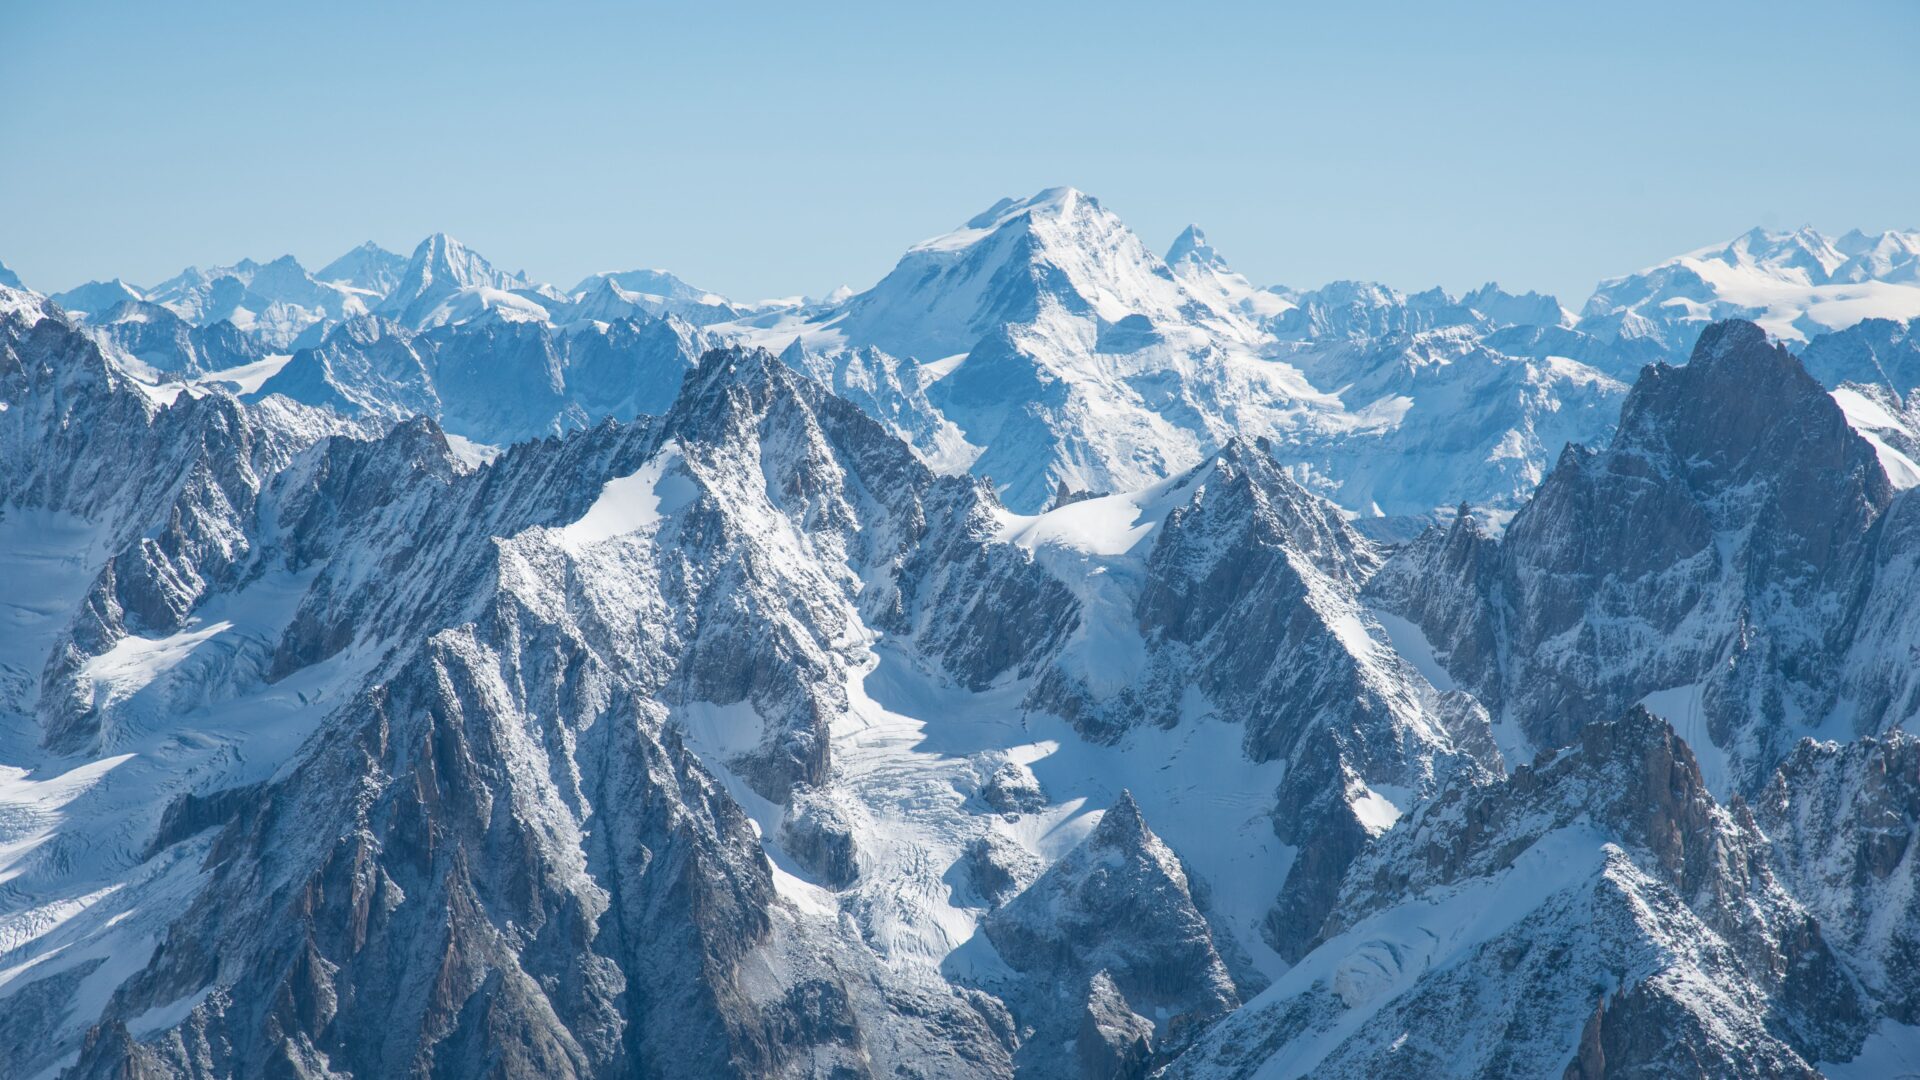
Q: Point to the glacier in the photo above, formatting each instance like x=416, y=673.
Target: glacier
x=1058, y=659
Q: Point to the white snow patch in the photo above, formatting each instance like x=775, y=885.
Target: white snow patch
x=1782, y=303
x=1376, y=812
x=1868, y=418
x=246, y=378
x=1411, y=643
x=1892, y=1052
x=470, y=453
x=1902, y=471
x=1680, y=707
x=632, y=503
x=907, y=760
x=1109, y=525
x=187, y=712
x=134, y=662
x=1862, y=411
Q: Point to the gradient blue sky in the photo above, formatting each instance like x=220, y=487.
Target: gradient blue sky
x=763, y=150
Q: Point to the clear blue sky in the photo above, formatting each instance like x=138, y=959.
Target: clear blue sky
x=766, y=150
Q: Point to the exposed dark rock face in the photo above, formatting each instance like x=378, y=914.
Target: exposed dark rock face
x=1725, y=540
x=1529, y=925
x=1842, y=818
x=731, y=740
x=1113, y=1040
x=532, y=875
x=173, y=491
x=166, y=342
x=1246, y=591
x=816, y=831
x=1641, y=1032
x=1249, y=594
x=1111, y=929
x=998, y=870
x=1012, y=789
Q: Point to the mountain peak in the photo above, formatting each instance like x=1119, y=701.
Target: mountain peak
x=718, y=371
x=1053, y=202
x=1191, y=245
x=1058, y=253
x=368, y=266
x=1744, y=408
x=442, y=248
x=1735, y=339
x=1123, y=825
x=96, y=297
x=440, y=268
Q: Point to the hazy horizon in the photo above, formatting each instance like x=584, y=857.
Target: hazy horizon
x=766, y=153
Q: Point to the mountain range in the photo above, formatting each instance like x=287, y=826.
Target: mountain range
x=1054, y=660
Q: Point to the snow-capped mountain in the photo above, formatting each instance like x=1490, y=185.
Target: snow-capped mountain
x=447, y=282
x=1028, y=668
x=1716, y=562
x=607, y=296
x=1366, y=310
x=1795, y=285
x=96, y=297
x=170, y=345
x=1066, y=352
x=804, y=715
x=275, y=300
x=369, y=268
x=1104, y=368
x=1595, y=914
x=1201, y=267
x=1873, y=368
x=493, y=381
x=1018, y=263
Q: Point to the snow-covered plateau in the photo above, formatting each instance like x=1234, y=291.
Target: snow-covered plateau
x=1056, y=660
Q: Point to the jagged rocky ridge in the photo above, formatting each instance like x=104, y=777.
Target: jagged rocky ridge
x=1042, y=343
x=498, y=652
x=1736, y=557
x=1595, y=914
x=738, y=684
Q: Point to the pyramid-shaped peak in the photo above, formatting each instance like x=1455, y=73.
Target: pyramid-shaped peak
x=442, y=250
x=368, y=266
x=720, y=369
x=440, y=247
x=1123, y=825
x=1191, y=246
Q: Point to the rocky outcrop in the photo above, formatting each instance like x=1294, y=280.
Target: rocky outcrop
x=1111, y=930
x=1247, y=590
x=1720, y=548
x=1113, y=1040
x=1595, y=911
x=172, y=493
x=1842, y=818
x=501, y=855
